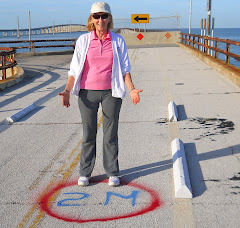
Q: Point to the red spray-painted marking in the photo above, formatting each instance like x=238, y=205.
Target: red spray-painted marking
x=155, y=202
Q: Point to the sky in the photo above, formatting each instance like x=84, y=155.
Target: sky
x=47, y=12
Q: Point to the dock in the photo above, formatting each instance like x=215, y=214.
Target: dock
x=40, y=152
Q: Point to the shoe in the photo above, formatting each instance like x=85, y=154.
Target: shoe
x=83, y=181
x=113, y=181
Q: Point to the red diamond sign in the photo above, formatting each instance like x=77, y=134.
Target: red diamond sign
x=167, y=35
x=140, y=36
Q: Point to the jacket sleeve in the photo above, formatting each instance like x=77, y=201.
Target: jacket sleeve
x=124, y=58
x=74, y=66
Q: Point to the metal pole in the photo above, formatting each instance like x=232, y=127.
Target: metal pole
x=204, y=27
x=204, y=33
x=212, y=34
x=201, y=34
x=178, y=25
x=29, y=22
x=190, y=16
x=209, y=5
x=17, y=27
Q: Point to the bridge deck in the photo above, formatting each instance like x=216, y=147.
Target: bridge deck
x=42, y=148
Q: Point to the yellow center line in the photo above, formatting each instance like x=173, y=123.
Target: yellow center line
x=133, y=53
x=183, y=211
x=66, y=175
x=49, y=186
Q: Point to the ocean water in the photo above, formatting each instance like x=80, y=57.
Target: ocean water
x=223, y=33
x=56, y=36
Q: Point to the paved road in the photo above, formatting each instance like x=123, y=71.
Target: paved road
x=40, y=152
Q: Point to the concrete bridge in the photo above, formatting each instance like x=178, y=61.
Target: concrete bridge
x=41, y=151
x=64, y=28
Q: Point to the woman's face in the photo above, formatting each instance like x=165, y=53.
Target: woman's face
x=101, y=23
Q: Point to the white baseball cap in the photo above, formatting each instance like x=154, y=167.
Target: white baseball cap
x=98, y=7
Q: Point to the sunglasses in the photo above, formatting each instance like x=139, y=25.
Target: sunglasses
x=103, y=16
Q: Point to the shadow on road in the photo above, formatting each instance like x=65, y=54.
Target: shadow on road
x=193, y=159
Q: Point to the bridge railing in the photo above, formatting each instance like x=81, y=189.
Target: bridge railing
x=7, y=61
x=211, y=45
x=34, y=44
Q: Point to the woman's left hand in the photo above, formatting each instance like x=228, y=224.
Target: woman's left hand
x=135, y=95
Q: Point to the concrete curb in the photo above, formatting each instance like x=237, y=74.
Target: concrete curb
x=21, y=113
x=18, y=77
x=182, y=183
x=172, y=112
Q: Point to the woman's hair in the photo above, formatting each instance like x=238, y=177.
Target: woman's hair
x=90, y=26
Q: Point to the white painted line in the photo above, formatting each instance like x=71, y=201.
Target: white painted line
x=21, y=113
x=180, y=170
x=172, y=112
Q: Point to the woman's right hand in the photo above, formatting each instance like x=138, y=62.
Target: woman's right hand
x=65, y=98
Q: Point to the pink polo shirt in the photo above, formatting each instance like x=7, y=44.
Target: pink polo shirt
x=97, y=70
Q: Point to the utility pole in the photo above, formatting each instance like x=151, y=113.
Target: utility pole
x=190, y=16
x=209, y=6
x=29, y=22
x=178, y=25
x=17, y=26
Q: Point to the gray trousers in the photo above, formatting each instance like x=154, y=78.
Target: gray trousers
x=89, y=101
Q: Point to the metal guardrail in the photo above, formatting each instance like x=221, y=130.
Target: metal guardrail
x=7, y=55
x=32, y=44
x=208, y=44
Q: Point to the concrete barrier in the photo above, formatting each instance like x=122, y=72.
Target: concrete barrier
x=151, y=38
x=23, y=112
x=172, y=112
x=182, y=183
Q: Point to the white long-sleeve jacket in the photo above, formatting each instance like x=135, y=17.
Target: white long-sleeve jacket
x=121, y=63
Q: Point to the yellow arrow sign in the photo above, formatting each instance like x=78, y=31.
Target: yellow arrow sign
x=140, y=18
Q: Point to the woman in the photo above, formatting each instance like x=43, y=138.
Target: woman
x=99, y=68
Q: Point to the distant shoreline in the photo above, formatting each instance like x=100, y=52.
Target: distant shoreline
x=15, y=30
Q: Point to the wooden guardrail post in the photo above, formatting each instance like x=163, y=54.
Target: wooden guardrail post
x=12, y=60
x=198, y=43
x=33, y=47
x=216, y=47
x=4, y=71
x=73, y=43
x=205, y=43
x=208, y=44
x=227, y=60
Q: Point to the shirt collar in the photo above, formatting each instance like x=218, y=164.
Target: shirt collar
x=109, y=35
x=93, y=35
